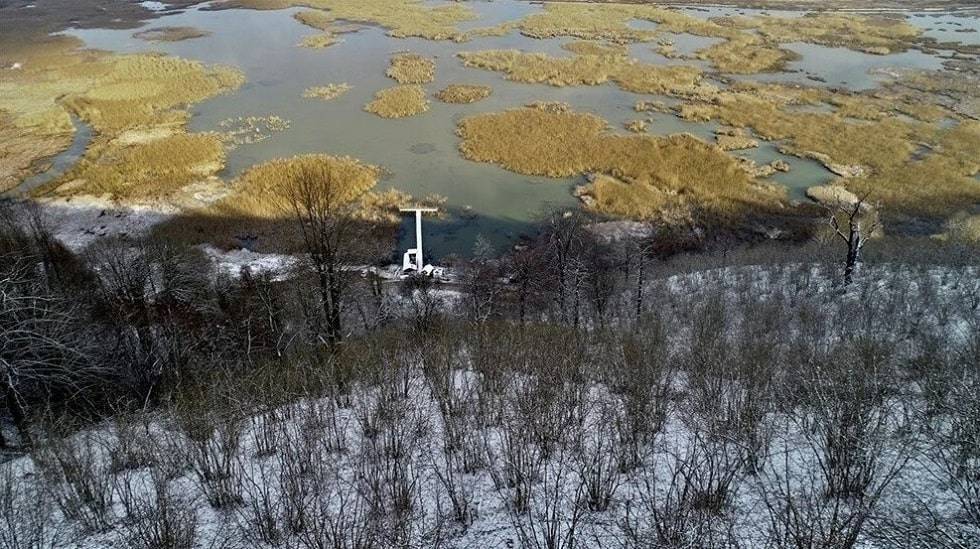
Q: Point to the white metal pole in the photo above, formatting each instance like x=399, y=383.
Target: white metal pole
x=418, y=239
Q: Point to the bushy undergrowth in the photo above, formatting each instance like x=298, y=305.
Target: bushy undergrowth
x=599, y=397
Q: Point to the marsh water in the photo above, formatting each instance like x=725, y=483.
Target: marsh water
x=420, y=153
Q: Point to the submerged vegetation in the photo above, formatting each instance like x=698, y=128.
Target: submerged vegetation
x=399, y=102
x=327, y=92
x=641, y=176
x=463, y=93
x=171, y=34
x=409, y=68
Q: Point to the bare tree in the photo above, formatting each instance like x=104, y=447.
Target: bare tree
x=860, y=223
x=324, y=208
x=42, y=346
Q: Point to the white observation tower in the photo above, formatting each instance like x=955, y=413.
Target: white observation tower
x=413, y=259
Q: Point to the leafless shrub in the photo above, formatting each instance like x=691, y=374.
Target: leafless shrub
x=76, y=473
x=337, y=516
x=639, y=377
x=131, y=446
x=954, y=432
x=266, y=431
x=853, y=421
x=26, y=513
x=161, y=519
x=388, y=470
x=555, y=506
x=210, y=445
x=597, y=452
x=262, y=514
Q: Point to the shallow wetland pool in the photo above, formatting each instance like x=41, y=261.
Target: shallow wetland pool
x=420, y=153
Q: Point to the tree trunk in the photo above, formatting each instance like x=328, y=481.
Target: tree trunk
x=639, y=289
x=18, y=414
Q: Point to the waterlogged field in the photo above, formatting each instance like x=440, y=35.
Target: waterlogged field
x=435, y=96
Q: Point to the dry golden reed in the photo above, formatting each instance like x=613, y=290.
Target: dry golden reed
x=399, y=102
x=665, y=173
x=259, y=205
x=589, y=70
x=913, y=168
x=410, y=68
x=150, y=169
x=463, y=93
x=112, y=93
x=403, y=18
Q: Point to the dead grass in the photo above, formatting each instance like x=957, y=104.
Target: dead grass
x=112, y=93
x=171, y=34
x=399, y=102
x=650, y=175
x=591, y=47
x=637, y=126
x=328, y=92
x=747, y=54
x=463, y=93
x=610, y=22
x=410, y=68
x=964, y=227
x=257, y=207
x=22, y=152
x=150, y=169
x=879, y=35
x=880, y=155
x=403, y=18
x=589, y=70
x=319, y=41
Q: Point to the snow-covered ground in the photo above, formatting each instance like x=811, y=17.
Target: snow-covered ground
x=707, y=428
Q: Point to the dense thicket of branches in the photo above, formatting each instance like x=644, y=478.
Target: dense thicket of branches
x=577, y=392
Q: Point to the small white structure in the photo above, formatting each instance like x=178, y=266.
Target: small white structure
x=414, y=260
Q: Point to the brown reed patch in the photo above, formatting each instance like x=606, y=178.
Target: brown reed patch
x=410, y=68
x=399, y=102
x=402, y=18
x=591, y=47
x=112, y=93
x=146, y=169
x=679, y=171
x=463, y=93
x=589, y=70
x=259, y=205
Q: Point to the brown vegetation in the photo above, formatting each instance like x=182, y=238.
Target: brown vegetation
x=647, y=176
x=409, y=68
x=258, y=205
x=399, y=102
x=403, y=18
x=589, y=70
x=463, y=93
x=112, y=93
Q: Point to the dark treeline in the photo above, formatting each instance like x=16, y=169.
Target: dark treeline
x=630, y=392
